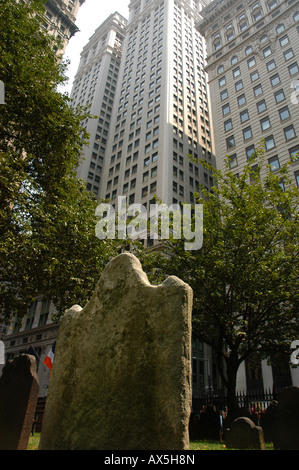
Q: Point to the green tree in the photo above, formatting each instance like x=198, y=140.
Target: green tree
x=245, y=276
x=47, y=217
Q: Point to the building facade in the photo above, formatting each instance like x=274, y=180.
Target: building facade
x=161, y=113
x=95, y=86
x=253, y=69
x=60, y=17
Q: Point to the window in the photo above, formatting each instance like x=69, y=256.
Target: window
x=271, y=65
x=289, y=132
x=296, y=16
x=236, y=72
x=267, y=51
x=280, y=28
x=279, y=96
x=296, y=174
x=248, y=50
x=275, y=80
x=284, y=113
x=224, y=95
x=289, y=54
x=247, y=133
x=254, y=76
x=272, y=4
x=249, y=151
x=263, y=38
x=230, y=142
x=230, y=34
x=294, y=154
x=239, y=85
x=222, y=81
x=233, y=162
x=293, y=69
x=241, y=100
x=225, y=109
x=284, y=40
x=269, y=142
x=258, y=90
x=228, y=125
x=251, y=62
x=261, y=106
x=243, y=25
x=257, y=15
x=234, y=59
x=217, y=45
x=244, y=115
x=274, y=163
x=265, y=123
x=220, y=69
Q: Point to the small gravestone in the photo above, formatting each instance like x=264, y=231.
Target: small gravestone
x=269, y=421
x=121, y=377
x=19, y=390
x=244, y=434
x=285, y=427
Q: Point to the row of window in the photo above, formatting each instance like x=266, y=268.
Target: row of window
x=267, y=51
x=244, y=21
x=273, y=162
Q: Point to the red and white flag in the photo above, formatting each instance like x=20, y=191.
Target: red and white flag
x=48, y=361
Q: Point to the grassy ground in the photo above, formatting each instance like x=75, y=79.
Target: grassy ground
x=194, y=445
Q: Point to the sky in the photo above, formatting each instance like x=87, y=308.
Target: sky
x=91, y=15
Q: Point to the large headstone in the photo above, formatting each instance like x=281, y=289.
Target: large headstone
x=286, y=420
x=244, y=434
x=19, y=389
x=121, y=378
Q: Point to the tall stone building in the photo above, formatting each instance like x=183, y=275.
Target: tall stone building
x=95, y=86
x=253, y=69
x=161, y=111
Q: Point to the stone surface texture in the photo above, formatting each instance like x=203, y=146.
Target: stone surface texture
x=122, y=370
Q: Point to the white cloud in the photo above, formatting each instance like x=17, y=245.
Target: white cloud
x=90, y=16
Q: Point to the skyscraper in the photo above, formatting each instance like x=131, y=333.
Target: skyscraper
x=253, y=69
x=95, y=86
x=161, y=111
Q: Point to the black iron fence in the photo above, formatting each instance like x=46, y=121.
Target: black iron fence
x=252, y=400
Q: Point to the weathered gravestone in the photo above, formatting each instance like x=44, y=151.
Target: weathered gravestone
x=121, y=377
x=285, y=420
x=244, y=434
x=19, y=389
x=269, y=421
